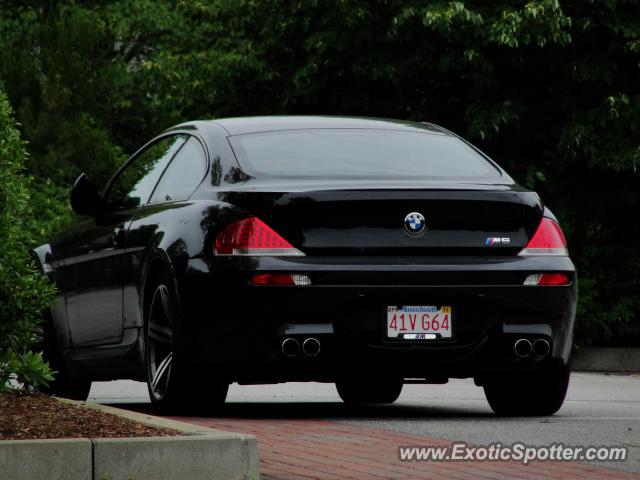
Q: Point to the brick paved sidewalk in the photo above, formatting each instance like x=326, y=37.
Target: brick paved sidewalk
x=323, y=450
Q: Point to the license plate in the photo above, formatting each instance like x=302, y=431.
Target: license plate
x=419, y=322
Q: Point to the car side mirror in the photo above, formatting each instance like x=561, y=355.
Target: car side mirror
x=85, y=199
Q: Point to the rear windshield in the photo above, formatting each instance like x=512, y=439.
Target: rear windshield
x=357, y=153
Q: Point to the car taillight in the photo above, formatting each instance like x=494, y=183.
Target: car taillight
x=547, y=279
x=280, y=279
x=251, y=236
x=548, y=240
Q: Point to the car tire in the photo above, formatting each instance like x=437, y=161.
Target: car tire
x=537, y=394
x=175, y=380
x=61, y=386
x=362, y=391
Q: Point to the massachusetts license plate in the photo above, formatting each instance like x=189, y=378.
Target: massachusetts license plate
x=419, y=322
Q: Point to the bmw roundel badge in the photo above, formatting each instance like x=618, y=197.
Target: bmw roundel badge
x=414, y=223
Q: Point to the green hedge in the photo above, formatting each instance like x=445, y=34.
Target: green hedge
x=24, y=292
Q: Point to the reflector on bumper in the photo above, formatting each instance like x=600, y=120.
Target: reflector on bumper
x=280, y=279
x=547, y=279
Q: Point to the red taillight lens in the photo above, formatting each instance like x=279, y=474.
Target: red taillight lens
x=272, y=279
x=548, y=240
x=554, y=279
x=280, y=279
x=251, y=236
x=547, y=279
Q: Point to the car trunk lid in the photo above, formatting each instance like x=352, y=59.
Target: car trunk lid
x=371, y=221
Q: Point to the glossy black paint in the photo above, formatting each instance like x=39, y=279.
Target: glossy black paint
x=357, y=255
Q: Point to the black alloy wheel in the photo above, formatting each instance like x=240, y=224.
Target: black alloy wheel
x=160, y=343
x=174, y=386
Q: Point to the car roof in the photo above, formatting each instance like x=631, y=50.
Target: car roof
x=244, y=125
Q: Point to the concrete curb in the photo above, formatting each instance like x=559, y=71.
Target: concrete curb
x=607, y=359
x=46, y=459
x=202, y=453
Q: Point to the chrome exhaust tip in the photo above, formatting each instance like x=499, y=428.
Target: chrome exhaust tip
x=311, y=347
x=290, y=347
x=522, y=348
x=541, y=347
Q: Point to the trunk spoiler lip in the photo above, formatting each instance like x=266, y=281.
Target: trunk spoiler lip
x=297, y=186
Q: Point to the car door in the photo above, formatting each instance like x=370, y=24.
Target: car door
x=162, y=216
x=94, y=249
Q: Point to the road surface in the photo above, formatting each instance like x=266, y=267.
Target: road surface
x=305, y=432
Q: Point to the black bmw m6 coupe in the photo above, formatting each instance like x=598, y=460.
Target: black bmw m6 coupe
x=365, y=252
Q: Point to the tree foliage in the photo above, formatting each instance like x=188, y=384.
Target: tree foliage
x=549, y=89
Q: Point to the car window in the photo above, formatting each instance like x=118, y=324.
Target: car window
x=134, y=184
x=183, y=175
x=358, y=153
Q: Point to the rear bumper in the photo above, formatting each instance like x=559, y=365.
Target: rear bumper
x=239, y=328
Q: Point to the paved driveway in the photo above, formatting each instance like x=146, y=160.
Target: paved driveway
x=305, y=432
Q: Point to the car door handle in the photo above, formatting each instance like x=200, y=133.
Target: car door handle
x=117, y=236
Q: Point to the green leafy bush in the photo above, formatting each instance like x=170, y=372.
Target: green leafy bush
x=24, y=292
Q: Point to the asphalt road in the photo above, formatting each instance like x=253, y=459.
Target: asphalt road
x=600, y=410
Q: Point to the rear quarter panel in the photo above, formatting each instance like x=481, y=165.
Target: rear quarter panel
x=166, y=236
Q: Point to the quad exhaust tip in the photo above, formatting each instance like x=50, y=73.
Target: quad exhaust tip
x=522, y=348
x=311, y=347
x=541, y=347
x=290, y=347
